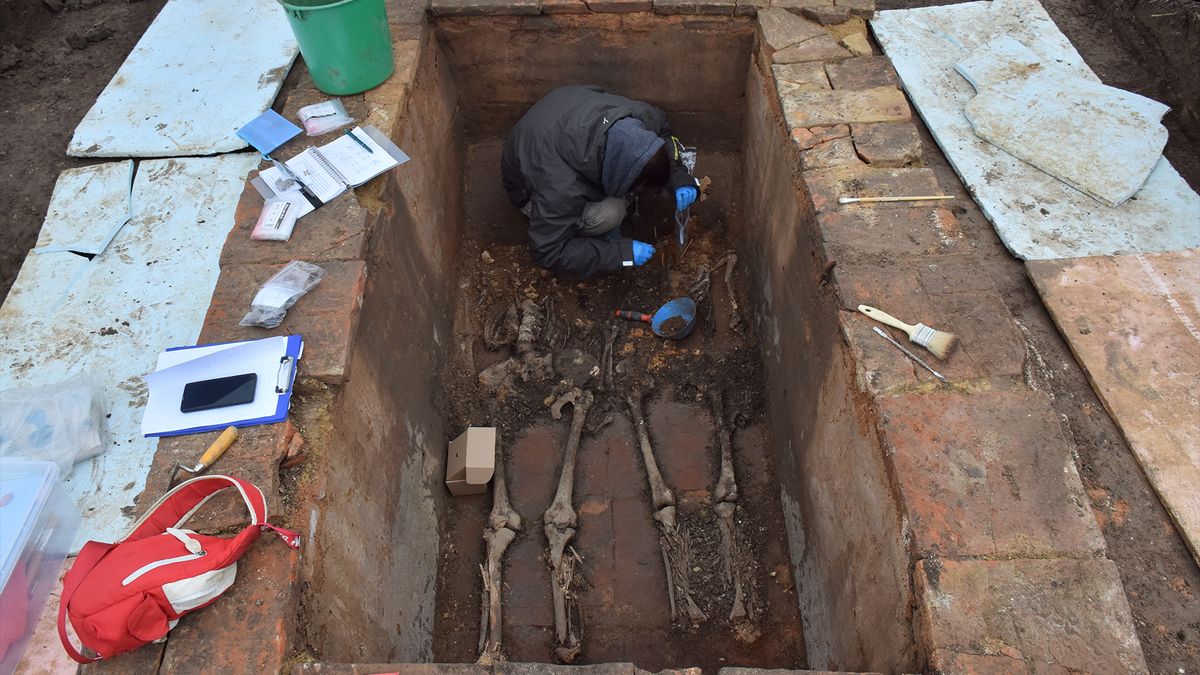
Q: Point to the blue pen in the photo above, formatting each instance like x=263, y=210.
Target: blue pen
x=359, y=141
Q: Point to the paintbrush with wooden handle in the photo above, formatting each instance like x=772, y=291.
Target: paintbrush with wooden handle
x=939, y=343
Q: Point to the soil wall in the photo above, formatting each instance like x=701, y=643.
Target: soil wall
x=850, y=563
x=372, y=592
x=694, y=69
x=1165, y=32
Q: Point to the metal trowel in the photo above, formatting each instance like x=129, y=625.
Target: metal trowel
x=210, y=456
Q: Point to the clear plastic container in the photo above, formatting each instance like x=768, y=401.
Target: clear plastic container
x=38, y=522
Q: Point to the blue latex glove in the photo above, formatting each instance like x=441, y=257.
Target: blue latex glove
x=684, y=197
x=642, y=252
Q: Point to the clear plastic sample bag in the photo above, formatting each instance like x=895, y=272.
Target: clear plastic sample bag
x=280, y=292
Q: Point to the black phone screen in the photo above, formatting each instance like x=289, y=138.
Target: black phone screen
x=220, y=392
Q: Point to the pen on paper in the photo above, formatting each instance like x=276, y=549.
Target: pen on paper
x=358, y=140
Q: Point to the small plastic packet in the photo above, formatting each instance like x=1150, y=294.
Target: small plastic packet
x=278, y=217
x=280, y=292
x=61, y=422
x=320, y=118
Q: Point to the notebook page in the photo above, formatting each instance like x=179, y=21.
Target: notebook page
x=355, y=163
x=305, y=165
x=315, y=177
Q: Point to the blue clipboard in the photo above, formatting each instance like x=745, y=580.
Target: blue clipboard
x=274, y=359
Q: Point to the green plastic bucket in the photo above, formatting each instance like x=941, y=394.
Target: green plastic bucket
x=346, y=44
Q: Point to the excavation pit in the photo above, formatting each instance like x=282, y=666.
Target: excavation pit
x=396, y=573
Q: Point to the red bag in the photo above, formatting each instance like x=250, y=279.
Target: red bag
x=124, y=595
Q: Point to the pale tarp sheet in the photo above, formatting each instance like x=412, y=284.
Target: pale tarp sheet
x=1036, y=215
x=1134, y=324
x=202, y=70
x=113, y=315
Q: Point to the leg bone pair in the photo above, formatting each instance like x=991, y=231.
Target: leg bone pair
x=560, y=519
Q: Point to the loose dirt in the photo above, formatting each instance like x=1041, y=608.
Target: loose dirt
x=53, y=64
x=572, y=322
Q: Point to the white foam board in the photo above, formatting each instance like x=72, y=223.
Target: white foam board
x=112, y=316
x=1036, y=215
x=202, y=70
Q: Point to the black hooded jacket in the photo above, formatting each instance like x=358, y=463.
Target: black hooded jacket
x=554, y=159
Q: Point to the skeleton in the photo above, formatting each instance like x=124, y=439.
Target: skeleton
x=726, y=493
x=503, y=524
x=560, y=519
x=674, y=543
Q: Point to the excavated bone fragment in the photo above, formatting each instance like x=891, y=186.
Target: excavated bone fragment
x=674, y=543
x=503, y=524
x=560, y=519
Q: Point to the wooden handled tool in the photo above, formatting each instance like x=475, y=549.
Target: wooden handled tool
x=210, y=456
x=632, y=316
x=866, y=200
x=939, y=343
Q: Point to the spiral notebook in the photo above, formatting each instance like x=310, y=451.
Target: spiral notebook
x=331, y=169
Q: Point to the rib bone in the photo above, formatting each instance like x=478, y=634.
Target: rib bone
x=560, y=519
x=503, y=524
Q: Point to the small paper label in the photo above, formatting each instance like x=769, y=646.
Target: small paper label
x=274, y=213
x=273, y=296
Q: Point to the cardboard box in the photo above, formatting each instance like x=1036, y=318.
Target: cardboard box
x=471, y=461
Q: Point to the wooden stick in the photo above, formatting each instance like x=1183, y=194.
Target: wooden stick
x=921, y=198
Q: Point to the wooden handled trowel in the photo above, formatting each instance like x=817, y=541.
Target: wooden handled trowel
x=210, y=456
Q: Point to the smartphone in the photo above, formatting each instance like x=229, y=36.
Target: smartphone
x=220, y=392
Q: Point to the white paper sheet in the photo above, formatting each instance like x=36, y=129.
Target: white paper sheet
x=179, y=367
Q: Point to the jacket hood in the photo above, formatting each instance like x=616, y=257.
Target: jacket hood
x=628, y=147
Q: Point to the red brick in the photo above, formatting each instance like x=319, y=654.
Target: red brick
x=826, y=16
x=564, y=7
x=888, y=144
x=780, y=29
x=483, y=7
x=819, y=48
x=1061, y=614
x=681, y=438
x=880, y=367
x=336, y=231
x=620, y=5
x=809, y=138
x=625, y=476
x=594, y=540
x=826, y=185
x=863, y=8
x=710, y=7
x=641, y=590
x=873, y=234
x=990, y=345
x=863, y=72
x=142, y=660
x=534, y=462
x=799, y=77
x=255, y=457
x=987, y=474
x=326, y=316
x=838, y=152
x=249, y=629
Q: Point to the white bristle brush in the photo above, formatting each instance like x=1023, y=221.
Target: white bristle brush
x=939, y=343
